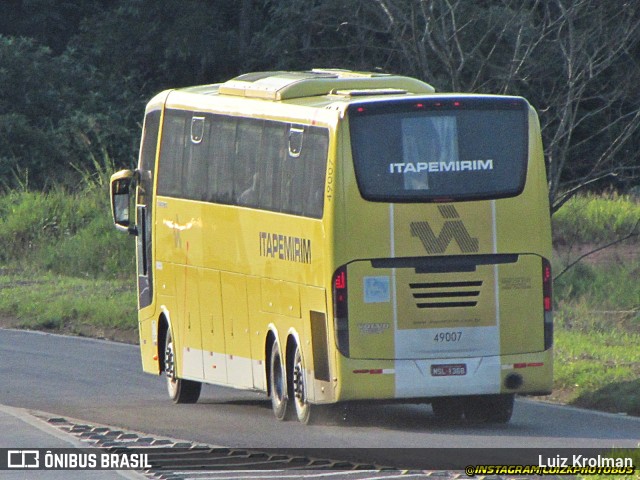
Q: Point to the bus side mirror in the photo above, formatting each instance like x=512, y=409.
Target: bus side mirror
x=122, y=185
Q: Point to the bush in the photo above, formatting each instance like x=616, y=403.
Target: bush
x=601, y=288
x=591, y=219
x=66, y=233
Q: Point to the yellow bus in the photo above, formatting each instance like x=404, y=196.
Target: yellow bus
x=334, y=236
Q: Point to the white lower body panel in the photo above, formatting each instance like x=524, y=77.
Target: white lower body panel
x=414, y=379
x=222, y=369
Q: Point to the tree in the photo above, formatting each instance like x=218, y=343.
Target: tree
x=573, y=59
x=34, y=98
x=49, y=22
x=54, y=117
x=592, y=115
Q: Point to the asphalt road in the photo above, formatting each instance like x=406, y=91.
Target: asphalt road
x=102, y=382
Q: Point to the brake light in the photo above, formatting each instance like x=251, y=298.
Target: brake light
x=341, y=310
x=546, y=284
x=547, y=303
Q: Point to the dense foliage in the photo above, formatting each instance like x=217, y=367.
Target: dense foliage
x=76, y=75
x=64, y=233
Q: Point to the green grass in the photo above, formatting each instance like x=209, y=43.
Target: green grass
x=600, y=288
x=597, y=305
x=63, y=267
x=63, y=232
x=55, y=302
x=590, y=219
x=597, y=362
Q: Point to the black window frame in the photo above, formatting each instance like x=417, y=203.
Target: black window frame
x=238, y=153
x=442, y=105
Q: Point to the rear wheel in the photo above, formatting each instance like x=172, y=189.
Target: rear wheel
x=180, y=391
x=299, y=379
x=448, y=409
x=489, y=408
x=278, y=384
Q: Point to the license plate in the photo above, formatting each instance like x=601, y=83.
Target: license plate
x=448, y=370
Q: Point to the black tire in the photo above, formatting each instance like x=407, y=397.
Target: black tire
x=500, y=408
x=489, y=408
x=180, y=390
x=305, y=412
x=278, y=385
x=448, y=409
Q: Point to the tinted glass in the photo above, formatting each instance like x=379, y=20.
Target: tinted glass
x=428, y=151
x=248, y=162
x=172, y=150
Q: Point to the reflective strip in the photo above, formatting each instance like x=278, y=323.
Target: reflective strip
x=513, y=366
x=376, y=371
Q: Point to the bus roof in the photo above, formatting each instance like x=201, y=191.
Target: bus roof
x=279, y=86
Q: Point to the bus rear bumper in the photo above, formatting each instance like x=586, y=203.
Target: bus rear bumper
x=530, y=373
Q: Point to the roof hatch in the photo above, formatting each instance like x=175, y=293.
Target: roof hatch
x=288, y=85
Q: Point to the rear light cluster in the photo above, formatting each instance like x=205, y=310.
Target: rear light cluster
x=441, y=103
x=421, y=105
x=341, y=310
x=547, y=301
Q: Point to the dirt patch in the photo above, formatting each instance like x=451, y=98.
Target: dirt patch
x=619, y=254
x=79, y=330
x=560, y=396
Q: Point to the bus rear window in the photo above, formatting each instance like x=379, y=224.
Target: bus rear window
x=444, y=149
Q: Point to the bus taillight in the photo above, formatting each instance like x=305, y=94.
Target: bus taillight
x=341, y=310
x=547, y=302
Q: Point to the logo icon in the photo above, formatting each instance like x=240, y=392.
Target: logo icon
x=453, y=229
x=23, y=459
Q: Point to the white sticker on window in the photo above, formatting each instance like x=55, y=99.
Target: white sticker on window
x=376, y=289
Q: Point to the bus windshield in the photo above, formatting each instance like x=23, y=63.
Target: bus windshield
x=444, y=149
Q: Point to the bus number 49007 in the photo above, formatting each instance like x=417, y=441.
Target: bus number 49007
x=444, y=337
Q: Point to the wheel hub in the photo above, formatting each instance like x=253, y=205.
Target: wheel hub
x=298, y=383
x=169, y=364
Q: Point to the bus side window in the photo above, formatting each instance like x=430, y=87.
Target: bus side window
x=196, y=160
x=315, y=163
x=270, y=166
x=223, y=156
x=171, y=154
x=246, y=181
x=293, y=172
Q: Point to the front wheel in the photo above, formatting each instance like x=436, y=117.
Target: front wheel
x=180, y=390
